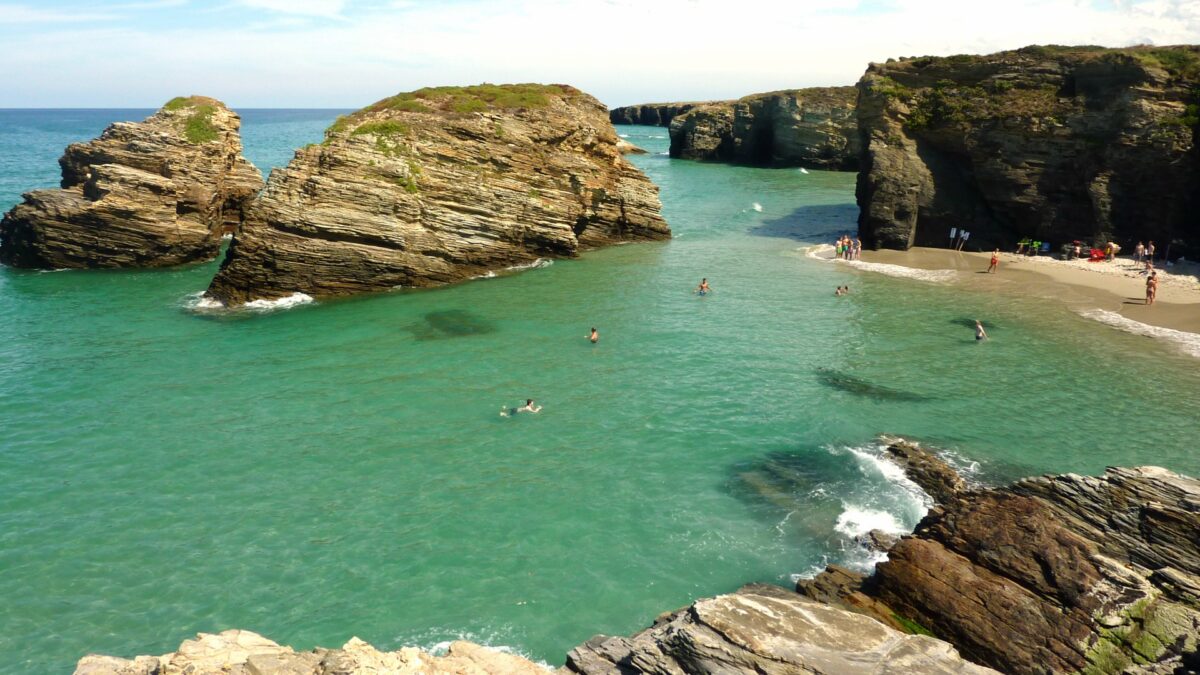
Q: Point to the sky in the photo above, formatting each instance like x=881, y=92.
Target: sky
x=348, y=53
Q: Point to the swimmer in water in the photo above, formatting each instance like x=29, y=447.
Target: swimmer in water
x=529, y=407
x=703, y=288
x=980, y=333
x=595, y=336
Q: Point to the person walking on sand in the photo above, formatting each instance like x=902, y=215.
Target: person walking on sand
x=1151, y=288
x=1139, y=252
x=980, y=333
x=995, y=261
x=594, y=336
x=1150, y=251
x=857, y=248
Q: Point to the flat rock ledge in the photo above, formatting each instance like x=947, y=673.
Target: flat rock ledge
x=144, y=194
x=241, y=652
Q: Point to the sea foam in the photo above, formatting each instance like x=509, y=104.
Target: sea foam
x=825, y=252
x=197, y=302
x=536, y=264
x=1188, y=343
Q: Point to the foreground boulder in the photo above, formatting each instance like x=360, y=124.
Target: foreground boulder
x=439, y=185
x=240, y=652
x=1052, y=574
x=1050, y=143
x=767, y=629
x=144, y=194
x=815, y=128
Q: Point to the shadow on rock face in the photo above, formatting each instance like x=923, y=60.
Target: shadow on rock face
x=819, y=222
x=860, y=387
x=451, y=323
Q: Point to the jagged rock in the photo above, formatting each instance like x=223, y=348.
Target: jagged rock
x=439, y=185
x=766, y=629
x=933, y=475
x=239, y=652
x=815, y=128
x=626, y=148
x=144, y=194
x=1052, y=143
x=1050, y=574
x=650, y=114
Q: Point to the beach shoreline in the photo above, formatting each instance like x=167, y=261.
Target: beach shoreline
x=1116, y=286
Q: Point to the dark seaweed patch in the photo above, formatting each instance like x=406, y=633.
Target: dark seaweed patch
x=452, y=323
x=860, y=387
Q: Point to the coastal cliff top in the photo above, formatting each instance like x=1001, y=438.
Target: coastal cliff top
x=827, y=95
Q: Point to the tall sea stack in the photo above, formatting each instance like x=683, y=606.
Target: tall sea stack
x=144, y=194
x=439, y=185
x=1053, y=143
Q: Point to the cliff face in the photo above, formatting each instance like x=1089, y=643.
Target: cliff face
x=1052, y=574
x=1052, y=143
x=440, y=185
x=815, y=128
x=650, y=114
x=143, y=194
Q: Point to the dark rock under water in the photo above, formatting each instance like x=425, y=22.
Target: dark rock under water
x=860, y=387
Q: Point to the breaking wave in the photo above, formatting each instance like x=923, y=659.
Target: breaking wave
x=1188, y=343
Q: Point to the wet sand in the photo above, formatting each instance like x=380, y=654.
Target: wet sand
x=1111, y=286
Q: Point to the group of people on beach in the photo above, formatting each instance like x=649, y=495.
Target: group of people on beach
x=847, y=248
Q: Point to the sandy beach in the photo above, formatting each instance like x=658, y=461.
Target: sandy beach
x=1115, y=287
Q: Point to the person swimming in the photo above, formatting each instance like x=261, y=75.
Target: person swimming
x=529, y=407
x=595, y=336
x=703, y=288
x=980, y=333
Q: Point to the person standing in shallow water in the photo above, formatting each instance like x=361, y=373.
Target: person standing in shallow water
x=995, y=261
x=1151, y=287
x=980, y=333
x=594, y=336
x=703, y=288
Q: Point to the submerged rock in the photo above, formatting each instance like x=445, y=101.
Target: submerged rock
x=815, y=128
x=439, y=185
x=240, y=652
x=144, y=194
x=1052, y=574
x=1051, y=143
x=767, y=629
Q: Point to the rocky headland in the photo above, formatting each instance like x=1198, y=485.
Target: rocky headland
x=1052, y=143
x=814, y=128
x=144, y=194
x=651, y=114
x=1054, y=574
x=439, y=185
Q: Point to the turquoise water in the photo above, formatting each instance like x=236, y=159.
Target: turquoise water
x=341, y=468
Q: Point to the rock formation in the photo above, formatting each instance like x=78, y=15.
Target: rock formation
x=144, y=194
x=1053, y=143
x=814, y=128
x=1051, y=574
x=239, y=652
x=767, y=629
x=650, y=114
x=439, y=185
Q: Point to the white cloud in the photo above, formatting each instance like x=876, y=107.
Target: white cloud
x=623, y=51
x=25, y=14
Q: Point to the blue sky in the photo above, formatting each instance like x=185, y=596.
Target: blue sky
x=347, y=53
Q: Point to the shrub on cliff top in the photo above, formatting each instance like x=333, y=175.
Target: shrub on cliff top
x=473, y=98
x=383, y=128
x=199, y=127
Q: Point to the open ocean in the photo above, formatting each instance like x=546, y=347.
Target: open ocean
x=341, y=469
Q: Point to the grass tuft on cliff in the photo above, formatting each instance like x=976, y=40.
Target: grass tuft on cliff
x=198, y=127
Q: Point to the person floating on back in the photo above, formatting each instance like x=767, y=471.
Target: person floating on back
x=980, y=333
x=703, y=288
x=594, y=336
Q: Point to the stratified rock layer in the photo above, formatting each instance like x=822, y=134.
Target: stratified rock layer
x=440, y=185
x=239, y=652
x=814, y=128
x=767, y=629
x=650, y=114
x=1052, y=143
x=144, y=194
x=1052, y=574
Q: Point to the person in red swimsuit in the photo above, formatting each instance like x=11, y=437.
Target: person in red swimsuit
x=995, y=261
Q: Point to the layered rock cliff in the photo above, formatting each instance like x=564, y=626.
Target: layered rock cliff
x=144, y=194
x=1052, y=143
x=1052, y=574
x=651, y=114
x=439, y=185
x=815, y=128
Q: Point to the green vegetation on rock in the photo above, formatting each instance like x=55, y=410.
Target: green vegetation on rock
x=382, y=128
x=198, y=127
x=911, y=626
